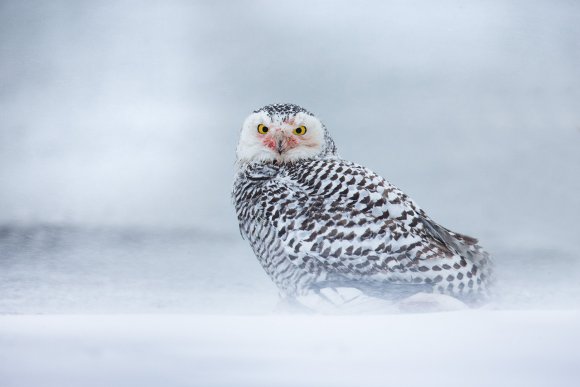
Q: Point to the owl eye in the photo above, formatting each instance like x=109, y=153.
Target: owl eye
x=262, y=129
x=300, y=131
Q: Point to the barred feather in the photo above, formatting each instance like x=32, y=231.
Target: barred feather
x=325, y=221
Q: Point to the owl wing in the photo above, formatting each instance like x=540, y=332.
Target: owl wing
x=343, y=219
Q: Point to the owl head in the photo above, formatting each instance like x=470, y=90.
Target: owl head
x=283, y=133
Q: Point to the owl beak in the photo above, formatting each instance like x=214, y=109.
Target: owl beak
x=282, y=141
x=280, y=145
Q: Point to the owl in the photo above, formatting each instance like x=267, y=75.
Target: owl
x=317, y=222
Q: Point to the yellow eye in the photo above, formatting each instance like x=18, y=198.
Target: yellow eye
x=262, y=129
x=300, y=131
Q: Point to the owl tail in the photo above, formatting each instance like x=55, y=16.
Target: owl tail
x=465, y=246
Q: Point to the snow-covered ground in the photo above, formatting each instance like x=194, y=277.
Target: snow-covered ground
x=473, y=348
x=73, y=269
x=202, y=313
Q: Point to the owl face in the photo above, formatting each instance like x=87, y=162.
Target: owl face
x=280, y=135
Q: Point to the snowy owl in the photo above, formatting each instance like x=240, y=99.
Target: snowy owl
x=318, y=222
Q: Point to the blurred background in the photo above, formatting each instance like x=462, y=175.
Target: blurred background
x=119, y=121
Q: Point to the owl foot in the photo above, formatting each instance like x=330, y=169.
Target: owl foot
x=344, y=300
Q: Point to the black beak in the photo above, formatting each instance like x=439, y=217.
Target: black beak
x=279, y=147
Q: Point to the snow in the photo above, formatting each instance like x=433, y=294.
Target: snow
x=76, y=269
x=120, y=259
x=126, y=307
x=468, y=348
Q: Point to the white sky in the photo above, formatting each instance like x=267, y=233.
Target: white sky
x=127, y=113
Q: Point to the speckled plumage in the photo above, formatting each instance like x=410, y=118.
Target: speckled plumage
x=324, y=221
